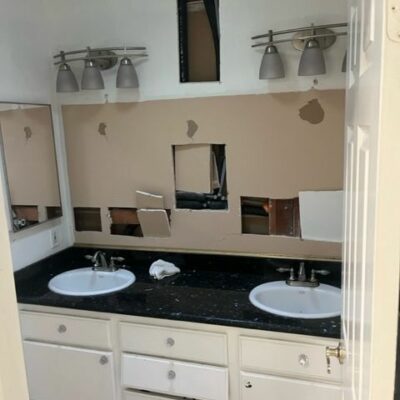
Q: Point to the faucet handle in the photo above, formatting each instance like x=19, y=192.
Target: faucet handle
x=89, y=257
x=287, y=269
x=314, y=272
x=114, y=260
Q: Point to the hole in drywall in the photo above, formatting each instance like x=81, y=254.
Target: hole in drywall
x=255, y=217
x=265, y=216
x=200, y=177
x=124, y=221
x=53, y=212
x=87, y=219
x=312, y=112
x=24, y=216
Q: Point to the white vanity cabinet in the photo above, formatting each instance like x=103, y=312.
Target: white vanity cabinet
x=68, y=358
x=285, y=370
x=259, y=387
x=58, y=372
x=101, y=356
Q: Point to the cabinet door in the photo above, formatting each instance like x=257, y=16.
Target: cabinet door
x=259, y=387
x=66, y=373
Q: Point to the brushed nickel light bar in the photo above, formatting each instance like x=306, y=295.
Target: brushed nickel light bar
x=311, y=40
x=97, y=60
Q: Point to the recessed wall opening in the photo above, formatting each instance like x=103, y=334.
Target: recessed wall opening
x=25, y=215
x=265, y=216
x=198, y=23
x=53, y=212
x=124, y=221
x=200, y=177
x=87, y=219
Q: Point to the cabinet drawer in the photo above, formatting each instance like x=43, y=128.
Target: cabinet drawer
x=210, y=348
x=287, y=358
x=256, y=387
x=62, y=329
x=130, y=395
x=176, y=378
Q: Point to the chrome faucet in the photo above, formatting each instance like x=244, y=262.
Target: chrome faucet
x=100, y=262
x=302, y=272
x=302, y=280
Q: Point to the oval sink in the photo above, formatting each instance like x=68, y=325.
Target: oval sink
x=87, y=282
x=279, y=298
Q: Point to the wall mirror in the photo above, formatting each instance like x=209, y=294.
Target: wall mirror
x=30, y=167
x=198, y=23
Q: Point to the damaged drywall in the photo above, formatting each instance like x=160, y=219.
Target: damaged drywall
x=269, y=151
x=192, y=128
x=312, y=112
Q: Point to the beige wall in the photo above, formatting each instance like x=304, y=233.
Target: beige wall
x=272, y=149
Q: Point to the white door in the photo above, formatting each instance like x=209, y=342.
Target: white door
x=68, y=373
x=12, y=369
x=372, y=217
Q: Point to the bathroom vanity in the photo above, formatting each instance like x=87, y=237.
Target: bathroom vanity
x=194, y=335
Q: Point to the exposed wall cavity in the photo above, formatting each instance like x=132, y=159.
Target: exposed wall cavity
x=312, y=112
x=270, y=154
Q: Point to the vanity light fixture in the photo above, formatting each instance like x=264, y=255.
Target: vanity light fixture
x=312, y=60
x=66, y=81
x=91, y=77
x=311, y=40
x=97, y=60
x=271, y=64
x=126, y=75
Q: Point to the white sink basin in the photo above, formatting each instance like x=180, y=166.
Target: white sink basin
x=87, y=282
x=279, y=298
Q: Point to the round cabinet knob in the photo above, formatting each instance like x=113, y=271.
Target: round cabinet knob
x=170, y=342
x=62, y=328
x=171, y=375
x=103, y=360
x=248, y=385
x=304, y=361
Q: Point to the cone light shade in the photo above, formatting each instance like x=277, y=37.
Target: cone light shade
x=127, y=77
x=271, y=64
x=91, y=78
x=312, y=60
x=66, y=81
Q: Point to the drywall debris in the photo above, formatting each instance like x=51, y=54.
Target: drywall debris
x=312, y=112
x=192, y=128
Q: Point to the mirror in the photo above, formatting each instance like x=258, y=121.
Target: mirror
x=199, y=47
x=30, y=166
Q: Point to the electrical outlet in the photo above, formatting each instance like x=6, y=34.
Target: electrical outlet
x=54, y=238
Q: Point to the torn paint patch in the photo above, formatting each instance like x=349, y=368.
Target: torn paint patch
x=192, y=128
x=102, y=129
x=312, y=112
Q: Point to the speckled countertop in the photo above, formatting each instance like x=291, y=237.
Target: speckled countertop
x=211, y=289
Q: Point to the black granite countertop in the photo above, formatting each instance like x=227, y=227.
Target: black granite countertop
x=211, y=289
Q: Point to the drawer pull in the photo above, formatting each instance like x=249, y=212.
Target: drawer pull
x=103, y=360
x=304, y=361
x=170, y=342
x=248, y=385
x=62, y=328
x=171, y=375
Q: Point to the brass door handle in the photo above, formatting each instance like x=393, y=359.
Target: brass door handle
x=338, y=352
